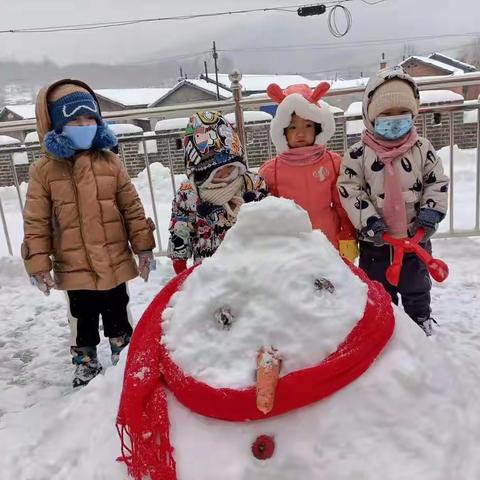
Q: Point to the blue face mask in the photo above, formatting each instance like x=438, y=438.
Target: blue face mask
x=394, y=127
x=81, y=136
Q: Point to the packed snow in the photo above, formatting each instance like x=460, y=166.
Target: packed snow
x=412, y=415
x=428, y=97
x=171, y=124
x=125, y=129
x=250, y=116
x=7, y=140
x=284, y=314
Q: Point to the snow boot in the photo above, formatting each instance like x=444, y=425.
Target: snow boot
x=426, y=324
x=86, y=364
x=117, y=344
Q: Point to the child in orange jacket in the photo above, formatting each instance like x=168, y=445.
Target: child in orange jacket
x=304, y=170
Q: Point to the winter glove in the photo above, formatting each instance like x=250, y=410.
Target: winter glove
x=179, y=265
x=43, y=281
x=348, y=249
x=374, y=231
x=249, y=197
x=146, y=263
x=428, y=219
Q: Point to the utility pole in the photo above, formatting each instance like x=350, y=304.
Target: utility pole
x=215, y=56
x=206, y=70
x=181, y=72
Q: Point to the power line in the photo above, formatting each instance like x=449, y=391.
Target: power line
x=122, y=23
x=360, y=43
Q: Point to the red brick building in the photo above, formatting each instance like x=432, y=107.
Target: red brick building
x=438, y=64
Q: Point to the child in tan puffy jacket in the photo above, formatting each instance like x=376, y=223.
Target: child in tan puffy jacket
x=82, y=219
x=393, y=181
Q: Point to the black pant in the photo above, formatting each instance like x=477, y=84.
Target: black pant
x=414, y=285
x=87, y=305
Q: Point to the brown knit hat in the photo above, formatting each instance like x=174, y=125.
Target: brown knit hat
x=393, y=93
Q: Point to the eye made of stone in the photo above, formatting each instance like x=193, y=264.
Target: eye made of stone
x=322, y=284
x=224, y=318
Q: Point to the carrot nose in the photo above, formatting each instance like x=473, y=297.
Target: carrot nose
x=268, y=371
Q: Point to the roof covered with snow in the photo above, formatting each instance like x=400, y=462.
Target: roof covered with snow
x=196, y=83
x=435, y=63
x=26, y=111
x=453, y=62
x=256, y=83
x=209, y=86
x=132, y=97
x=355, y=82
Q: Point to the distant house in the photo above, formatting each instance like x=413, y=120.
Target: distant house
x=191, y=90
x=258, y=83
x=118, y=99
x=438, y=64
x=115, y=99
x=11, y=113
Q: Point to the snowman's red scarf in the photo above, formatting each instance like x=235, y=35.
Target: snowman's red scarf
x=143, y=411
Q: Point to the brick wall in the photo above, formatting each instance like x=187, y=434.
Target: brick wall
x=258, y=144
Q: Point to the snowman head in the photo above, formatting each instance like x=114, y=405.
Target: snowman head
x=273, y=282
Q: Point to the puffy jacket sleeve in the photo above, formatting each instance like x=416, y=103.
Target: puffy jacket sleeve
x=139, y=228
x=37, y=224
x=267, y=172
x=182, y=226
x=435, y=182
x=347, y=230
x=351, y=186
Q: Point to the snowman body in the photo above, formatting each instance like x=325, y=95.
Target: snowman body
x=285, y=286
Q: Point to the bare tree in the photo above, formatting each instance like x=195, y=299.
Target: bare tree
x=471, y=53
x=409, y=49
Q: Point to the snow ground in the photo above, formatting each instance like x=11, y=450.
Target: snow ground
x=43, y=432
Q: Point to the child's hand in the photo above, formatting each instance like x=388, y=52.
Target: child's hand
x=146, y=263
x=179, y=265
x=428, y=219
x=374, y=231
x=43, y=281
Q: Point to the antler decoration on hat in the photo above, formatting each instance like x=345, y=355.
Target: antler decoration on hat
x=275, y=93
x=320, y=91
x=278, y=95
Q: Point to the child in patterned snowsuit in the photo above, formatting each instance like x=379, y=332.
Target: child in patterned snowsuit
x=207, y=204
x=392, y=181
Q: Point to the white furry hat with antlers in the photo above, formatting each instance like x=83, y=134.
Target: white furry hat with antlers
x=307, y=104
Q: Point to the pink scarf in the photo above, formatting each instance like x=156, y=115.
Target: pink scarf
x=394, y=211
x=303, y=155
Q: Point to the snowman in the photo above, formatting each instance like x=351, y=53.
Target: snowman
x=274, y=359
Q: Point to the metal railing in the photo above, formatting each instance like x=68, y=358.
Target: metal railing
x=237, y=104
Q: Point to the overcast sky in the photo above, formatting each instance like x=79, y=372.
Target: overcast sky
x=156, y=41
